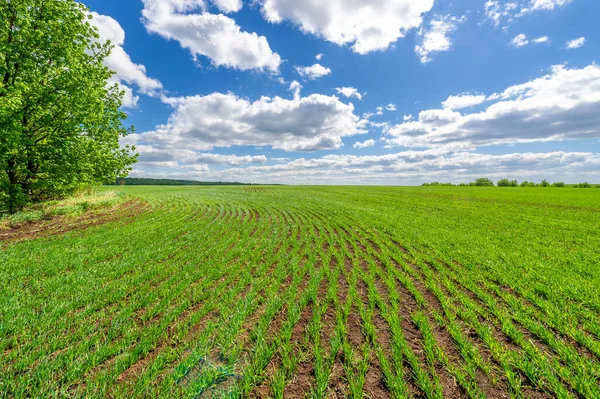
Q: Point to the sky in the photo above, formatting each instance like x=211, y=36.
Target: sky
x=377, y=92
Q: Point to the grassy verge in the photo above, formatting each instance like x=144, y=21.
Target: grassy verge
x=72, y=206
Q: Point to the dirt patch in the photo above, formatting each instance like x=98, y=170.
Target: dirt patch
x=63, y=224
x=374, y=382
x=302, y=383
x=337, y=387
x=354, y=326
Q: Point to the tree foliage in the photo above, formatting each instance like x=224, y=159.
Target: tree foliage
x=60, y=122
x=483, y=182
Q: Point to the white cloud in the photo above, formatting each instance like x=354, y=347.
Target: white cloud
x=228, y=6
x=559, y=106
x=368, y=26
x=496, y=12
x=349, y=92
x=379, y=124
x=127, y=73
x=185, y=158
x=576, y=43
x=547, y=4
x=411, y=167
x=391, y=107
x=464, y=101
x=520, y=40
x=295, y=87
x=217, y=37
x=541, y=39
x=505, y=13
x=407, y=118
x=200, y=123
x=319, y=56
x=364, y=144
x=436, y=38
x=313, y=72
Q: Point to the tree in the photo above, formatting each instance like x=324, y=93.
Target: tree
x=545, y=183
x=60, y=122
x=508, y=183
x=483, y=182
x=559, y=184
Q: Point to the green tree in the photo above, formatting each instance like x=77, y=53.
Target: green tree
x=60, y=122
x=483, y=182
x=545, y=183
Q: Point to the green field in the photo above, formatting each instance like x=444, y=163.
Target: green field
x=307, y=292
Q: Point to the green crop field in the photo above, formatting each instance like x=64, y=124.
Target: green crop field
x=320, y=292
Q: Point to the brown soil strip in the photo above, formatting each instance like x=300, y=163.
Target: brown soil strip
x=63, y=224
x=490, y=389
x=408, y=305
x=337, y=386
x=302, y=383
x=304, y=376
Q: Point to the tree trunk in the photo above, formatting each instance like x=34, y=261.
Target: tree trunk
x=14, y=189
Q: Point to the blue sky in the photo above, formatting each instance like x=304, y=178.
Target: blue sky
x=367, y=92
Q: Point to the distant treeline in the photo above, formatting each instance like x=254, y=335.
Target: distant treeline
x=485, y=182
x=136, y=181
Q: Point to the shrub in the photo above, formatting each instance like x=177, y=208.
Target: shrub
x=545, y=183
x=583, y=185
x=435, y=184
x=558, y=184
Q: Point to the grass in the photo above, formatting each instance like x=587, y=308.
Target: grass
x=320, y=292
x=72, y=206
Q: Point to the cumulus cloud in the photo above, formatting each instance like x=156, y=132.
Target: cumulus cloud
x=296, y=88
x=412, y=167
x=561, y=105
x=575, y=43
x=313, y=72
x=215, y=36
x=520, y=40
x=349, y=92
x=436, y=37
x=319, y=56
x=200, y=123
x=127, y=73
x=391, y=107
x=464, y=101
x=184, y=158
x=364, y=144
x=368, y=26
x=228, y=6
